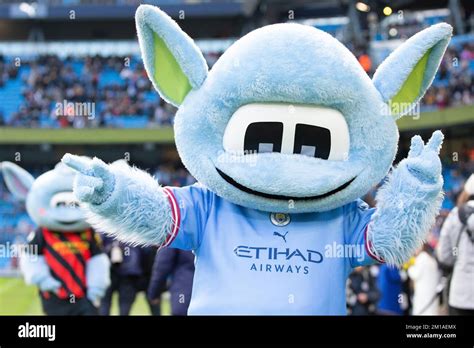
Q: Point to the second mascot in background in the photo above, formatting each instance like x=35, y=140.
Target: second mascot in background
x=284, y=134
x=64, y=259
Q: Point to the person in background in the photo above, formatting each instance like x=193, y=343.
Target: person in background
x=125, y=274
x=148, y=259
x=389, y=283
x=362, y=292
x=426, y=277
x=366, y=62
x=456, y=249
x=173, y=270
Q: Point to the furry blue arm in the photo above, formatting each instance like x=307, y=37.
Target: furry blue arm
x=122, y=201
x=407, y=204
x=35, y=271
x=97, y=276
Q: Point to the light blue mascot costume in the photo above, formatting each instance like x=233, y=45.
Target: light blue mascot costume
x=65, y=262
x=283, y=135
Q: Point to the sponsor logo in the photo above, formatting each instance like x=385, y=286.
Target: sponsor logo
x=271, y=253
x=279, y=260
x=282, y=236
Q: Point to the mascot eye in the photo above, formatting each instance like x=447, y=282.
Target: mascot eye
x=263, y=137
x=64, y=199
x=312, y=141
x=313, y=131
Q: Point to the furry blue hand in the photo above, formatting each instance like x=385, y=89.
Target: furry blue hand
x=49, y=284
x=121, y=200
x=423, y=160
x=94, y=183
x=408, y=202
x=94, y=294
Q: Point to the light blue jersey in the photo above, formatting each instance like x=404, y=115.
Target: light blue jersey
x=254, y=262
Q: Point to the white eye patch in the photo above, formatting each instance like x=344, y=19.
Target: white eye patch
x=64, y=199
x=291, y=129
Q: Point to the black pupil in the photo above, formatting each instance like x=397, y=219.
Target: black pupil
x=312, y=141
x=64, y=204
x=263, y=137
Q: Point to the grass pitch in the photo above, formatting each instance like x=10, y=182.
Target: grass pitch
x=17, y=298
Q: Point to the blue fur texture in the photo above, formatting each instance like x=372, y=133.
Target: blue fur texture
x=38, y=194
x=135, y=210
x=187, y=54
x=296, y=65
x=392, y=73
x=18, y=180
x=36, y=272
x=97, y=276
x=408, y=203
x=288, y=64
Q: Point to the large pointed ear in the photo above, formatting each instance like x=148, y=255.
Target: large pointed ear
x=403, y=78
x=17, y=179
x=174, y=63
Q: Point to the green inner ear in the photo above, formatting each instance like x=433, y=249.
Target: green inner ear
x=168, y=75
x=412, y=87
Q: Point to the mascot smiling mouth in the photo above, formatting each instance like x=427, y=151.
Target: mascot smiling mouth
x=280, y=197
x=68, y=222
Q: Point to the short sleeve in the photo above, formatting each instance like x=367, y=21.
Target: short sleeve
x=357, y=219
x=190, y=207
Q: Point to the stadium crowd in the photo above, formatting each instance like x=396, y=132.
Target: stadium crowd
x=118, y=87
x=115, y=86
x=454, y=83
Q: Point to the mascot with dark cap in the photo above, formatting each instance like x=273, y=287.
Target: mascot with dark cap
x=284, y=136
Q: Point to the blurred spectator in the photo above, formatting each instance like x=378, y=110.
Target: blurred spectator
x=456, y=250
x=389, y=283
x=426, y=278
x=148, y=259
x=362, y=292
x=173, y=270
x=125, y=275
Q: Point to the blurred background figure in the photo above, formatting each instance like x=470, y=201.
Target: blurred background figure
x=362, y=291
x=390, y=284
x=456, y=250
x=148, y=260
x=426, y=280
x=173, y=271
x=125, y=274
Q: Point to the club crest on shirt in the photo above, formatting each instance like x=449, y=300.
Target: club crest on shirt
x=280, y=219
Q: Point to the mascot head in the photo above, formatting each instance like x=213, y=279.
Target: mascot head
x=286, y=120
x=49, y=199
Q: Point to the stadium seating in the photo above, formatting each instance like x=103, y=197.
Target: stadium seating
x=124, y=98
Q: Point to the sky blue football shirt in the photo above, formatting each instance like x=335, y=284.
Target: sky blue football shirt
x=255, y=262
